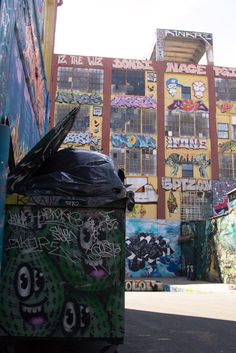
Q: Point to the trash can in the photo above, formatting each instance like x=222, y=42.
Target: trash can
x=63, y=264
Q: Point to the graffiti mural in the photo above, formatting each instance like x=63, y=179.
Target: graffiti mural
x=187, y=105
x=188, y=143
x=62, y=271
x=23, y=76
x=76, y=98
x=151, y=248
x=186, y=184
x=174, y=160
x=185, y=68
x=132, y=64
x=134, y=102
x=199, y=89
x=220, y=189
x=133, y=141
x=137, y=285
x=172, y=203
x=81, y=138
x=225, y=239
x=229, y=146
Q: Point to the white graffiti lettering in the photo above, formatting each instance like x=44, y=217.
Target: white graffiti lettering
x=132, y=64
x=224, y=71
x=81, y=138
x=186, y=184
x=186, y=68
x=176, y=142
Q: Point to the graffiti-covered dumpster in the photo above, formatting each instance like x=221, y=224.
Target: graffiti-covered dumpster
x=63, y=265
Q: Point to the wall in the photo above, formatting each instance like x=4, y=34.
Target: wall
x=24, y=96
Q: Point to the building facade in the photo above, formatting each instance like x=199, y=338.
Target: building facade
x=170, y=125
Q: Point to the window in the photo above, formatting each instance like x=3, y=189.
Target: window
x=132, y=120
x=133, y=139
x=130, y=82
x=225, y=89
x=196, y=205
x=186, y=92
x=187, y=170
x=234, y=132
x=227, y=165
x=82, y=80
x=223, y=131
x=81, y=122
x=186, y=124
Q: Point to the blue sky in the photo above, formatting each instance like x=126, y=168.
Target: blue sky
x=126, y=28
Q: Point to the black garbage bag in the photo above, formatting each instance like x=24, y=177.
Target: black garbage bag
x=79, y=173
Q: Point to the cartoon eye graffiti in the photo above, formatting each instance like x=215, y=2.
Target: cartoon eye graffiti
x=86, y=238
x=23, y=282
x=38, y=280
x=69, y=320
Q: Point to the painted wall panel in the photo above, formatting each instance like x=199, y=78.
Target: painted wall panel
x=151, y=248
x=71, y=262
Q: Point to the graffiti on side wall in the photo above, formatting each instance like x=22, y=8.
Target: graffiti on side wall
x=57, y=260
x=132, y=64
x=229, y=146
x=187, y=105
x=186, y=184
x=76, y=98
x=133, y=141
x=137, y=285
x=225, y=238
x=188, y=143
x=81, y=138
x=174, y=160
x=172, y=204
x=151, y=248
x=134, y=102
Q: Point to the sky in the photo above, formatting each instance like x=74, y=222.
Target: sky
x=126, y=28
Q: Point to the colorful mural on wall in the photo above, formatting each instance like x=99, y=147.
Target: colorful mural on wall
x=174, y=160
x=133, y=141
x=23, y=76
x=225, y=243
x=151, y=248
x=63, y=273
x=220, y=188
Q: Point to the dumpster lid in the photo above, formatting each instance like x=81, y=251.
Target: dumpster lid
x=43, y=150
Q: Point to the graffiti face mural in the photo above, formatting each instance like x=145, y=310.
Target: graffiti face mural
x=31, y=295
x=55, y=258
x=171, y=86
x=199, y=89
x=94, y=252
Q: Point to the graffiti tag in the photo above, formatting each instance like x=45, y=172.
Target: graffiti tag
x=134, y=102
x=121, y=141
x=186, y=184
x=75, y=98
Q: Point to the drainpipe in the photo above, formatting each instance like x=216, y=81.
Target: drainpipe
x=4, y=155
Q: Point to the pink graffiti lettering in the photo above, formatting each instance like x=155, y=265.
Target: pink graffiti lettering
x=134, y=102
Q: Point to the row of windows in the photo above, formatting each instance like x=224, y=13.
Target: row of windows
x=187, y=124
x=224, y=133
x=227, y=165
x=82, y=80
x=225, y=89
x=81, y=122
x=135, y=161
x=128, y=82
x=195, y=205
x=131, y=120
